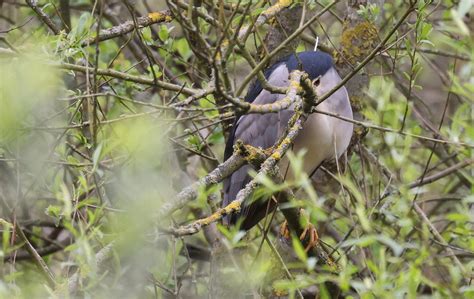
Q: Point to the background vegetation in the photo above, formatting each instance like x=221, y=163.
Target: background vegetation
x=112, y=113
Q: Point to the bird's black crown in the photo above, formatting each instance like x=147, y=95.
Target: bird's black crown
x=314, y=63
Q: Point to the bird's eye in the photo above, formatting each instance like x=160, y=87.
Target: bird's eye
x=317, y=81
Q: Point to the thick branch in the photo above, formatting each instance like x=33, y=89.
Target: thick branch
x=291, y=95
x=191, y=192
x=267, y=169
x=103, y=255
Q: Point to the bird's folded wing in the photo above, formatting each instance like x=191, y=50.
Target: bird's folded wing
x=258, y=130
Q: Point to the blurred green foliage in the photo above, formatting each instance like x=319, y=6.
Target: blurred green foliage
x=77, y=191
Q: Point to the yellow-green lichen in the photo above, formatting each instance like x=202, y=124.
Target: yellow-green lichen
x=295, y=85
x=276, y=156
x=274, y=9
x=357, y=42
x=159, y=17
x=232, y=207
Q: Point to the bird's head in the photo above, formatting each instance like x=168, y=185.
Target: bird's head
x=318, y=65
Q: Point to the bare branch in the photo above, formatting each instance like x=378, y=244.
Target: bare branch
x=103, y=255
x=127, y=77
x=390, y=130
x=44, y=17
x=441, y=174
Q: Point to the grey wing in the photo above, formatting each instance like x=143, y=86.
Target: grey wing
x=259, y=131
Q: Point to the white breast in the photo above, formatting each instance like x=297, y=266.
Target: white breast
x=325, y=137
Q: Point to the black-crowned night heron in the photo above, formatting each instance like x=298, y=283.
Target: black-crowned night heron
x=324, y=137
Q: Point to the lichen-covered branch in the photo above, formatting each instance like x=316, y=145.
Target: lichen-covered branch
x=268, y=167
x=191, y=192
x=101, y=256
x=293, y=90
x=265, y=16
x=150, y=19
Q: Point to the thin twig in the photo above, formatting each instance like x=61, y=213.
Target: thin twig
x=441, y=174
x=127, y=77
x=40, y=263
x=390, y=130
x=440, y=238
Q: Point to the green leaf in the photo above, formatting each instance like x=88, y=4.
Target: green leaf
x=163, y=34
x=426, y=30
x=96, y=156
x=362, y=242
x=458, y=217
x=299, y=250
x=53, y=211
x=195, y=142
x=183, y=49
x=6, y=227
x=146, y=33
x=83, y=24
x=394, y=246
x=463, y=29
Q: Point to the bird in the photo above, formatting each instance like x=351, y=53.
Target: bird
x=323, y=137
